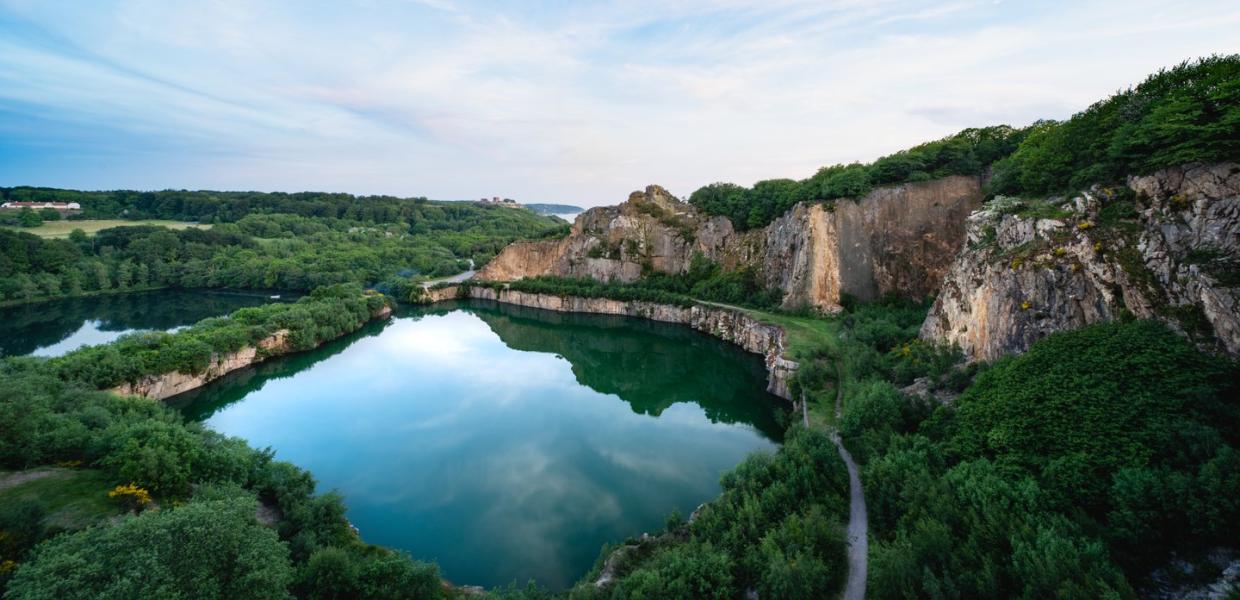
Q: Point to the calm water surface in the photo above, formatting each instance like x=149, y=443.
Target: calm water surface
x=506, y=443
x=60, y=326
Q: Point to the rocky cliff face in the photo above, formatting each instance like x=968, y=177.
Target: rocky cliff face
x=727, y=324
x=896, y=240
x=167, y=385
x=1174, y=257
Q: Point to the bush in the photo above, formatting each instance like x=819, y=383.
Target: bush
x=201, y=550
x=688, y=572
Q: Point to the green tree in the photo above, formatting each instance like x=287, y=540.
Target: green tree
x=330, y=574
x=156, y=455
x=29, y=218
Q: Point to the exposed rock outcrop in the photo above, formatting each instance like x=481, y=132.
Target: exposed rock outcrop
x=727, y=324
x=896, y=240
x=167, y=385
x=1175, y=258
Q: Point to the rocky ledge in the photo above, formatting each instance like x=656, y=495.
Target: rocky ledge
x=1166, y=246
x=728, y=324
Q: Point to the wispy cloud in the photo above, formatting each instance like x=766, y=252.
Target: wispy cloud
x=577, y=102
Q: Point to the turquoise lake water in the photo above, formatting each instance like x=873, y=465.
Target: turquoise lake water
x=505, y=443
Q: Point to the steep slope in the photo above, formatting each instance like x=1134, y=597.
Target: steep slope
x=1167, y=246
x=895, y=240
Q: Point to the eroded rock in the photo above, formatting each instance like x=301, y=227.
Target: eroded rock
x=896, y=240
x=1020, y=279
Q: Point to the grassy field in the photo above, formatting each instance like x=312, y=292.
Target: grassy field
x=61, y=229
x=74, y=498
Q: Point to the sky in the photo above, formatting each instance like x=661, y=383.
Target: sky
x=566, y=101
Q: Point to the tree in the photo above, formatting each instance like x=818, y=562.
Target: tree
x=49, y=214
x=330, y=573
x=29, y=218
x=156, y=455
x=393, y=576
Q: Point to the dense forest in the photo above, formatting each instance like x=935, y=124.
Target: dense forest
x=1187, y=113
x=262, y=251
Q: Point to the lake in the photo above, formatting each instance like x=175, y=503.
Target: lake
x=506, y=443
x=59, y=326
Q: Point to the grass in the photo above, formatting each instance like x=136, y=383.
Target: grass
x=805, y=334
x=61, y=229
x=74, y=498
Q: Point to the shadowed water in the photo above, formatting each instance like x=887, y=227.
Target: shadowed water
x=506, y=443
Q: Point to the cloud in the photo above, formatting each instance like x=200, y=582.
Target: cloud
x=543, y=101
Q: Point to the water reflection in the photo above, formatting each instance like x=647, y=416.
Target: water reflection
x=650, y=365
x=60, y=326
x=506, y=443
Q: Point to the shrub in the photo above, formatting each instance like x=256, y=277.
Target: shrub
x=201, y=550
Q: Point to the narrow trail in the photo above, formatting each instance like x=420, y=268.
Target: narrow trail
x=858, y=522
x=459, y=277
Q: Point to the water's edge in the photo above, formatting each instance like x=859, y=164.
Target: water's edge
x=728, y=324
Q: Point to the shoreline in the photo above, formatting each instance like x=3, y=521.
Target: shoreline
x=731, y=325
x=163, y=386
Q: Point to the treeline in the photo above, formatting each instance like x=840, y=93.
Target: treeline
x=228, y=207
x=969, y=152
x=704, y=280
x=198, y=493
x=1188, y=113
x=287, y=252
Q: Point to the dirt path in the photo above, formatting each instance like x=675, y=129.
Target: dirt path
x=459, y=277
x=12, y=480
x=858, y=522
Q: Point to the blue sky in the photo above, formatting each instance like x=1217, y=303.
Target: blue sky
x=563, y=101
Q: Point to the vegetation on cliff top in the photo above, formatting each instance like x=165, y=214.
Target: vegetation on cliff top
x=325, y=314
x=1184, y=114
